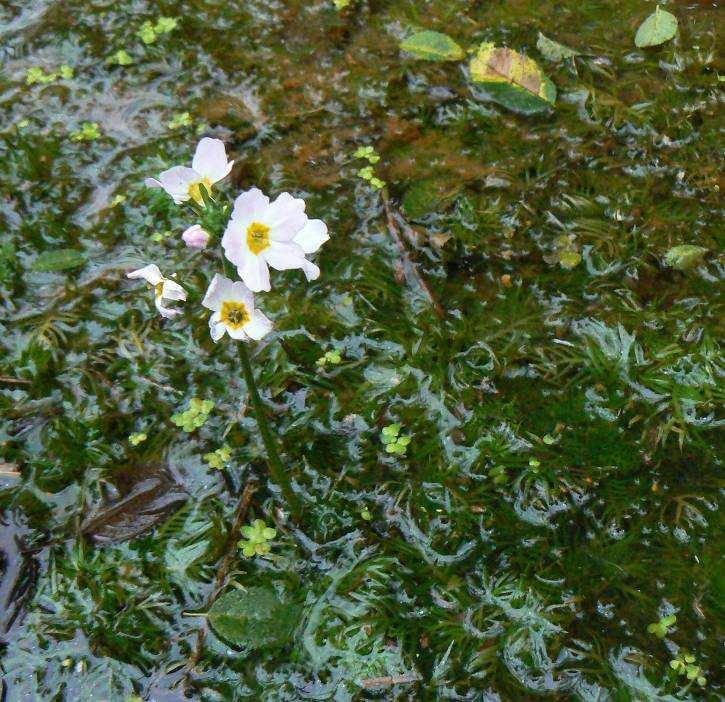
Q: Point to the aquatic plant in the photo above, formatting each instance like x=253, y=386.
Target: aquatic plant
x=258, y=234
x=257, y=536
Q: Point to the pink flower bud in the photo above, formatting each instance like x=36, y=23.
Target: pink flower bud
x=195, y=237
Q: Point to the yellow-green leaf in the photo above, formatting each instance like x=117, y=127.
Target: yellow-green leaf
x=553, y=50
x=658, y=28
x=512, y=79
x=685, y=256
x=432, y=46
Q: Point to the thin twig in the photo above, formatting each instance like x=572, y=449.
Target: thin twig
x=14, y=381
x=410, y=268
x=221, y=579
x=390, y=680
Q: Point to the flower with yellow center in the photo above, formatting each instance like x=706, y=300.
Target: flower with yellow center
x=208, y=167
x=263, y=234
x=164, y=289
x=234, y=313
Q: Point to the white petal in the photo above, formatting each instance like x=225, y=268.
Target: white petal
x=284, y=256
x=210, y=160
x=172, y=291
x=216, y=328
x=259, y=327
x=239, y=334
x=311, y=271
x=166, y=312
x=219, y=290
x=285, y=216
x=150, y=274
x=152, y=183
x=313, y=235
x=239, y=292
x=177, y=181
x=255, y=273
x=250, y=204
x=234, y=242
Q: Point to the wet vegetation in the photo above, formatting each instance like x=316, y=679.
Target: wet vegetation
x=499, y=406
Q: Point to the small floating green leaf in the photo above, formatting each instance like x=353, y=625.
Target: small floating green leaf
x=658, y=28
x=432, y=46
x=553, y=50
x=512, y=79
x=59, y=260
x=685, y=256
x=253, y=618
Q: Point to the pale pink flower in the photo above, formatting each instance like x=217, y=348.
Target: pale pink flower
x=164, y=289
x=234, y=313
x=209, y=166
x=261, y=234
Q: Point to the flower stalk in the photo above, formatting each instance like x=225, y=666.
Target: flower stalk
x=276, y=468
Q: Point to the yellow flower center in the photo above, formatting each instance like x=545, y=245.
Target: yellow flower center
x=195, y=191
x=258, y=237
x=234, y=314
x=159, y=289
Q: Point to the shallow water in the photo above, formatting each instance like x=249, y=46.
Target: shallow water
x=561, y=489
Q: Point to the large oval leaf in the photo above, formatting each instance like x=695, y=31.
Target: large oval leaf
x=59, y=260
x=658, y=28
x=253, y=618
x=432, y=46
x=512, y=79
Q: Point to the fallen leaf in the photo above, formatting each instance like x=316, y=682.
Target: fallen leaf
x=149, y=502
x=512, y=79
x=553, y=50
x=685, y=256
x=658, y=28
x=432, y=46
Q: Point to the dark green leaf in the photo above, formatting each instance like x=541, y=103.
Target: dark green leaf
x=253, y=618
x=59, y=260
x=426, y=195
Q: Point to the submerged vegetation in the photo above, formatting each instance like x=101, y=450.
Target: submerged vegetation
x=497, y=411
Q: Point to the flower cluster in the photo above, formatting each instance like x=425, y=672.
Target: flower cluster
x=260, y=234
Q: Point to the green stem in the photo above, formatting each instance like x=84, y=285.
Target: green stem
x=276, y=468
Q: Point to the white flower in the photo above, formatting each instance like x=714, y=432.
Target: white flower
x=164, y=289
x=277, y=234
x=208, y=167
x=234, y=313
x=196, y=237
